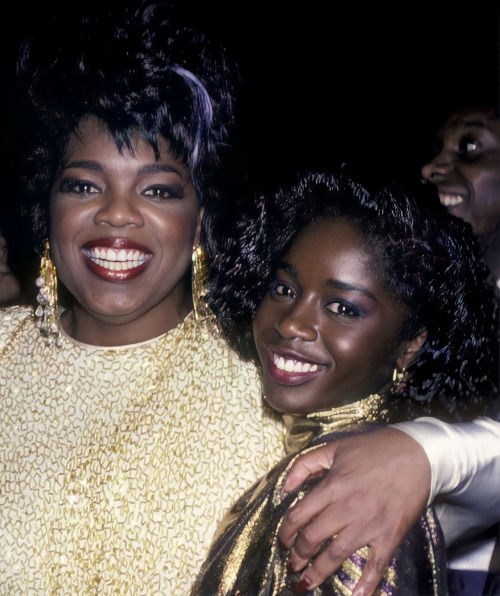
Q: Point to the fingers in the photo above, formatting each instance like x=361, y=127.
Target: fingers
x=304, y=525
x=376, y=487
x=310, y=463
x=372, y=574
x=305, y=543
x=335, y=554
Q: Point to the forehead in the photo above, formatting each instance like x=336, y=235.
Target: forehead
x=332, y=233
x=338, y=245
x=469, y=120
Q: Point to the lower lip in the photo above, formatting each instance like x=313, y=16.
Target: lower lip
x=284, y=377
x=116, y=276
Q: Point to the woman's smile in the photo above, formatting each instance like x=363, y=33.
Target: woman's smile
x=116, y=259
x=288, y=369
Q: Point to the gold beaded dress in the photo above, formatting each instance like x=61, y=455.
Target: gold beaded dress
x=246, y=558
x=118, y=463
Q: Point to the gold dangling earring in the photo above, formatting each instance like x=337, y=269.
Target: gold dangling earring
x=48, y=308
x=398, y=378
x=198, y=279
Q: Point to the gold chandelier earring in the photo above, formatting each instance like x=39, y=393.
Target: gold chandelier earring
x=48, y=308
x=198, y=280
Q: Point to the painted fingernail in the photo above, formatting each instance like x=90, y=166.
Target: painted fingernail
x=303, y=586
x=290, y=567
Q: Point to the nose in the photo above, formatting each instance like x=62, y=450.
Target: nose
x=298, y=322
x=437, y=168
x=119, y=208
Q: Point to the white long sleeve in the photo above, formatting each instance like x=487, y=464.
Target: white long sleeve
x=465, y=468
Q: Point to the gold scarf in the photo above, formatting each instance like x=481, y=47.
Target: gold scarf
x=302, y=429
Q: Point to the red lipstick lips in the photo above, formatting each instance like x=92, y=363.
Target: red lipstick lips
x=116, y=259
x=288, y=370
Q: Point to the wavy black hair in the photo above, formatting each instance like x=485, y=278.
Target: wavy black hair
x=141, y=71
x=430, y=261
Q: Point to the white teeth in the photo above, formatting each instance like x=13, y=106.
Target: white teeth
x=110, y=255
x=293, y=365
x=450, y=200
x=116, y=260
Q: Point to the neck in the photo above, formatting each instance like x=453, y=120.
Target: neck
x=302, y=429
x=87, y=328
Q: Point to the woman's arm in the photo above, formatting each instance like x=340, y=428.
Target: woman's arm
x=465, y=467
x=378, y=484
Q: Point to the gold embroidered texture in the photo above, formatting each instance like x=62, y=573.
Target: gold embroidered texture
x=246, y=558
x=117, y=463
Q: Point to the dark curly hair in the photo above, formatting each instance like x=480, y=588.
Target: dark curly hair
x=430, y=261
x=140, y=71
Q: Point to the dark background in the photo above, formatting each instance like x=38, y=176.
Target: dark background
x=333, y=80
x=324, y=81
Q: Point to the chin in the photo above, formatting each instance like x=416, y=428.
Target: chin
x=286, y=406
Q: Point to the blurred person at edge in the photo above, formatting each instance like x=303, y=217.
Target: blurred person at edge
x=10, y=288
x=465, y=170
x=466, y=173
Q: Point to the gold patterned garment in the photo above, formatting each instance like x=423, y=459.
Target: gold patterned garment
x=246, y=558
x=117, y=463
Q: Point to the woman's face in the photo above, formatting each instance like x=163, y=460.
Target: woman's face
x=122, y=232
x=326, y=333
x=466, y=171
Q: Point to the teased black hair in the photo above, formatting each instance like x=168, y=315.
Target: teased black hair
x=140, y=71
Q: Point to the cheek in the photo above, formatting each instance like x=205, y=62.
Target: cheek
x=64, y=225
x=364, y=351
x=487, y=190
x=178, y=231
x=66, y=220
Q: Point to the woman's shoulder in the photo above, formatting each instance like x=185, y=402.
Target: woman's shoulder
x=12, y=320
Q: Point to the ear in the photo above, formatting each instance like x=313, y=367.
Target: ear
x=197, y=235
x=408, y=352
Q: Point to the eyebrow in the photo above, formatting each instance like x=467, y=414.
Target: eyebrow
x=96, y=166
x=85, y=164
x=331, y=283
x=478, y=123
x=472, y=124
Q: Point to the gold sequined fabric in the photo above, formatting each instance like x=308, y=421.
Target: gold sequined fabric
x=246, y=558
x=117, y=463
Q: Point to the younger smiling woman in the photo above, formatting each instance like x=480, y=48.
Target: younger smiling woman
x=365, y=312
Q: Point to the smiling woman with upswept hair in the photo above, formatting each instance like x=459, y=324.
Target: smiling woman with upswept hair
x=116, y=409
